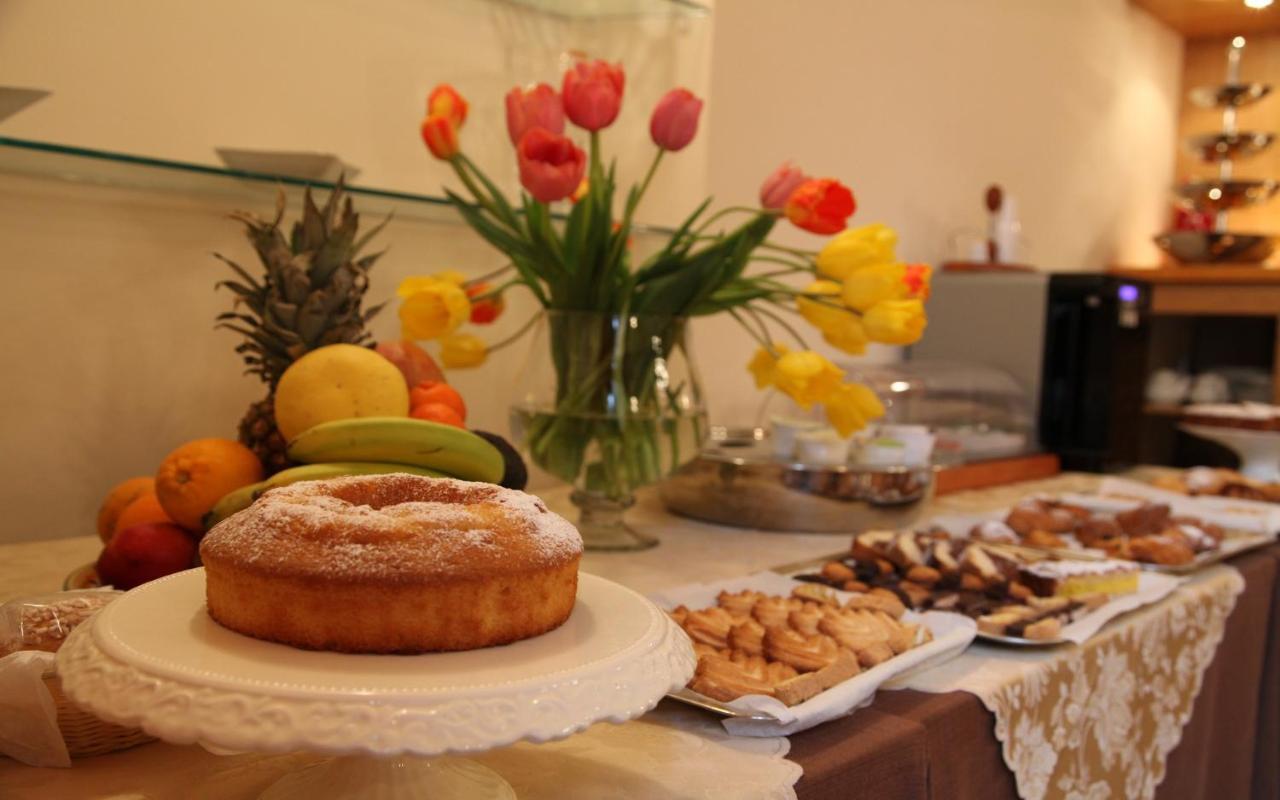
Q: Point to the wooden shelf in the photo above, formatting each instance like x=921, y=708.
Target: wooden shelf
x=1193, y=274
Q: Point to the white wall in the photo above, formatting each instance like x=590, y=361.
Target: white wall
x=1070, y=105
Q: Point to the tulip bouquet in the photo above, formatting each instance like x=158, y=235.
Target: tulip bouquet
x=579, y=262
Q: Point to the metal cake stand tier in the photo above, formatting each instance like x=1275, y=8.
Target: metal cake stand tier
x=156, y=660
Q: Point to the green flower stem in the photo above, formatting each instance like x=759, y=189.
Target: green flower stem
x=723, y=213
x=516, y=336
x=761, y=336
x=499, y=289
x=795, y=251
x=786, y=326
x=488, y=276
x=484, y=202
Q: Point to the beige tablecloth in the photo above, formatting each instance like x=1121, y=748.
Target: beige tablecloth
x=1084, y=722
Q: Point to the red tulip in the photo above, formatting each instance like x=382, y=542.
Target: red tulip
x=777, y=188
x=551, y=166
x=533, y=107
x=444, y=101
x=592, y=93
x=441, y=137
x=488, y=309
x=675, y=119
x=820, y=205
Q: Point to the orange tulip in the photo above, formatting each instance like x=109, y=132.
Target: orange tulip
x=592, y=94
x=917, y=279
x=441, y=137
x=444, y=101
x=820, y=205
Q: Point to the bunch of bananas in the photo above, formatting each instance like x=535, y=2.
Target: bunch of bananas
x=380, y=445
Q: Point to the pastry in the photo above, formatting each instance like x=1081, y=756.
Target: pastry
x=392, y=564
x=814, y=646
x=1074, y=578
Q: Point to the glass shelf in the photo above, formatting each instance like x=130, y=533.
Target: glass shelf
x=237, y=188
x=613, y=9
x=123, y=170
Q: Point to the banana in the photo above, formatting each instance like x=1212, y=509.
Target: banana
x=243, y=497
x=401, y=440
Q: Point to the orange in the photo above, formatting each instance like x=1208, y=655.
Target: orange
x=198, y=474
x=438, y=412
x=438, y=392
x=142, y=510
x=121, y=495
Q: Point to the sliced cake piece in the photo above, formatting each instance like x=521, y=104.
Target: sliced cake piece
x=1076, y=578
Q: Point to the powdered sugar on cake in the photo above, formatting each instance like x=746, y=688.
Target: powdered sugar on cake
x=396, y=527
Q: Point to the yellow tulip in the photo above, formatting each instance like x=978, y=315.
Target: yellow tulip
x=895, y=321
x=822, y=313
x=849, y=337
x=431, y=308
x=869, y=285
x=463, y=350
x=764, y=364
x=855, y=248
x=418, y=283
x=851, y=406
x=806, y=377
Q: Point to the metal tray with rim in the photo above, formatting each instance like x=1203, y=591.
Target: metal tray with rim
x=1234, y=543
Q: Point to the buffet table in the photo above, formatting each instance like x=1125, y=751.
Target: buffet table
x=906, y=744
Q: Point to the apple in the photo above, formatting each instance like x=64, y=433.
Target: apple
x=144, y=552
x=414, y=363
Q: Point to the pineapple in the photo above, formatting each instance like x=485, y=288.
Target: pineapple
x=309, y=296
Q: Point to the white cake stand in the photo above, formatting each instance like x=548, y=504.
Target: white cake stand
x=1259, y=451
x=156, y=660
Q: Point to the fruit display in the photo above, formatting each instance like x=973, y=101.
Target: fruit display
x=308, y=294
x=338, y=382
x=338, y=404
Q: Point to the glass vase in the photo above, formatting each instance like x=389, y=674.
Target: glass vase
x=608, y=403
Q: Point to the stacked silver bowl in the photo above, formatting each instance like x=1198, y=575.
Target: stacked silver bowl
x=1218, y=197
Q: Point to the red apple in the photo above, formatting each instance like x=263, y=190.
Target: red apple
x=414, y=363
x=144, y=552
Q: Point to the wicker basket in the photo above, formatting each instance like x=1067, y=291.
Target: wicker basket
x=85, y=734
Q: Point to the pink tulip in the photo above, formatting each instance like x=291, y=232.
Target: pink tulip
x=592, y=93
x=533, y=107
x=675, y=119
x=551, y=166
x=777, y=188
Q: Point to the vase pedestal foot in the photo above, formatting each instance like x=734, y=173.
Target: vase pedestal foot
x=603, y=528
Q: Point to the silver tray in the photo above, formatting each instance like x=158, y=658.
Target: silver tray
x=1215, y=147
x=1018, y=641
x=1229, y=95
x=1205, y=247
x=810, y=564
x=692, y=698
x=736, y=481
x=1225, y=195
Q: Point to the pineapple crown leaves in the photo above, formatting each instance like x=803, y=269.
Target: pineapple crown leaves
x=311, y=288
